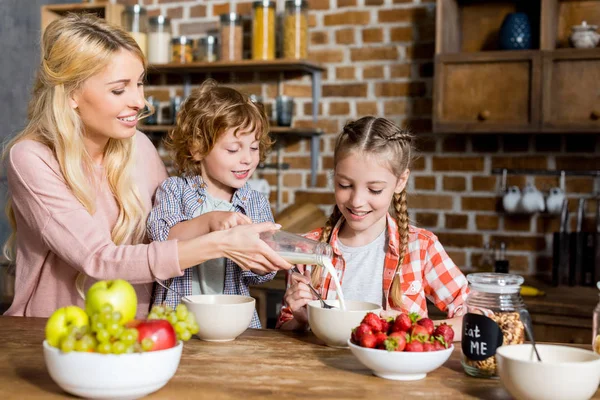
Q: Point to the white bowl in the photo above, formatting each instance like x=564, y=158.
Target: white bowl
x=334, y=326
x=400, y=365
x=111, y=376
x=221, y=317
x=564, y=373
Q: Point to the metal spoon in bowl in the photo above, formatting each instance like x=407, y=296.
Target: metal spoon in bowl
x=315, y=291
x=526, y=318
x=173, y=290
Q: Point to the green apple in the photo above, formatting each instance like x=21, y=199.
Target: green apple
x=61, y=320
x=118, y=293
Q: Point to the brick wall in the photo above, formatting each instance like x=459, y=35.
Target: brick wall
x=378, y=56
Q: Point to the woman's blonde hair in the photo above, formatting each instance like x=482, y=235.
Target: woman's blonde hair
x=383, y=140
x=209, y=111
x=75, y=48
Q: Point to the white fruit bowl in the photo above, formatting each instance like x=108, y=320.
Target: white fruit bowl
x=400, y=365
x=111, y=376
x=334, y=326
x=565, y=372
x=220, y=317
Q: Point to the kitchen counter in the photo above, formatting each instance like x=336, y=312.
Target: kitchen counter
x=260, y=364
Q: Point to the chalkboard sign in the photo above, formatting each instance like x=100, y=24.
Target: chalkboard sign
x=481, y=337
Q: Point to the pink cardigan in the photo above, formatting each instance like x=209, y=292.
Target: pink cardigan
x=57, y=238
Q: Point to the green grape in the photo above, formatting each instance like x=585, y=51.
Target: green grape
x=172, y=318
x=72, y=330
x=113, y=328
x=159, y=310
x=190, y=319
x=128, y=336
x=103, y=336
x=119, y=347
x=147, y=344
x=67, y=344
x=94, y=320
x=107, y=308
x=97, y=326
x=181, y=312
x=104, y=348
x=130, y=349
x=193, y=328
x=105, y=318
x=116, y=316
x=90, y=341
x=80, y=345
x=153, y=315
x=180, y=327
x=185, y=336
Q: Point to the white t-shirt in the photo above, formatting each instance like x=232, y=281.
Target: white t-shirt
x=363, y=277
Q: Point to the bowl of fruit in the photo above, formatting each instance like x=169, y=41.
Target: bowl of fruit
x=334, y=325
x=221, y=317
x=405, y=348
x=103, y=352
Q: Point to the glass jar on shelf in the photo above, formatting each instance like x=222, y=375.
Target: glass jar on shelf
x=159, y=40
x=295, y=29
x=134, y=20
x=263, y=30
x=232, y=37
x=206, y=51
x=182, y=50
x=491, y=320
x=596, y=327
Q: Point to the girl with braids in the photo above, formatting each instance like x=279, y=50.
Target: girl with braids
x=378, y=255
x=82, y=179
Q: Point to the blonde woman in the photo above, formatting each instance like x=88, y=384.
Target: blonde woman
x=82, y=180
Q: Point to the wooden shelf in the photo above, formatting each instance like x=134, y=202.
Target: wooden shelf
x=275, y=130
x=110, y=12
x=279, y=65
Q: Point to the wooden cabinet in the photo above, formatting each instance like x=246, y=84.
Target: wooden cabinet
x=487, y=92
x=571, y=82
x=110, y=12
x=549, y=88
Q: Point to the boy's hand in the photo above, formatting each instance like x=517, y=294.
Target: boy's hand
x=222, y=220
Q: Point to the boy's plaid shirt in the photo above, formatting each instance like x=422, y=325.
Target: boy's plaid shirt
x=427, y=272
x=176, y=200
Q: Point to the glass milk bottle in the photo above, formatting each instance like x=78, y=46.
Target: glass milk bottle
x=297, y=249
x=492, y=320
x=135, y=21
x=159, y=40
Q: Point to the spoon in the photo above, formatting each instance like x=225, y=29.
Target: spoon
x=526, y=318
x=315, y=291
x=173, y=290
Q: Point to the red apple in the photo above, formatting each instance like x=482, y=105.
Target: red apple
x=159, y=330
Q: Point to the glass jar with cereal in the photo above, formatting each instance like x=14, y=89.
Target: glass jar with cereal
x=295, y=29
x=263, y=30
x=492, y=320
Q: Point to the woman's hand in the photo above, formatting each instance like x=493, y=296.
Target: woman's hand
x=222, y=220
x=298, y=295
x=243, y=245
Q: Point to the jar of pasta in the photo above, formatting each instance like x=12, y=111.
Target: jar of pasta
x=263, y=30
x=182, y=49
x=232, y=37
x=295, y=29
x=492, y=320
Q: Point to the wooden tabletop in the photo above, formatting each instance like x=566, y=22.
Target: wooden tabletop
x=260, y=364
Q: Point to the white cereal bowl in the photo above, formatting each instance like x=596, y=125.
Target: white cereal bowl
x=111, y=376
x=334, y=326
x=565, y=373
x=400, y=365
x=220, y=317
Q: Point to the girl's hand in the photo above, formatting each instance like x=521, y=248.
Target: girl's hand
x=222, y=220
x=298, y=295
x=243, y=245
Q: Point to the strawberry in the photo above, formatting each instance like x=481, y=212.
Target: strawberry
x=368, y=340
x=414, y=346
x=395, y=343
x=444, y=330
x=398, y=334
x=380, y=338
x=428, y=346
x=402, y=323
x=374, y=321
x=419, y=332
x=359, y=332
x=427, y=323
x=386, y=323
x=438, y=343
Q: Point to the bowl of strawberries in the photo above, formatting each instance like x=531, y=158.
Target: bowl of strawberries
x=404, y=348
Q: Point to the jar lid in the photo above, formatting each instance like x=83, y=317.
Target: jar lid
x=182, y=40
x=135, y=9
x=296, y=3
x=159, y=20
x=495, y=282
x=264, y=3
x=230, y=17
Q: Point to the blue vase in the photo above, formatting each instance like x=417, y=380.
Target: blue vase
x=515, y=33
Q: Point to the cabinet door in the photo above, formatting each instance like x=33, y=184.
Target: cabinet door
x=571, y=99
x=487, y=92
